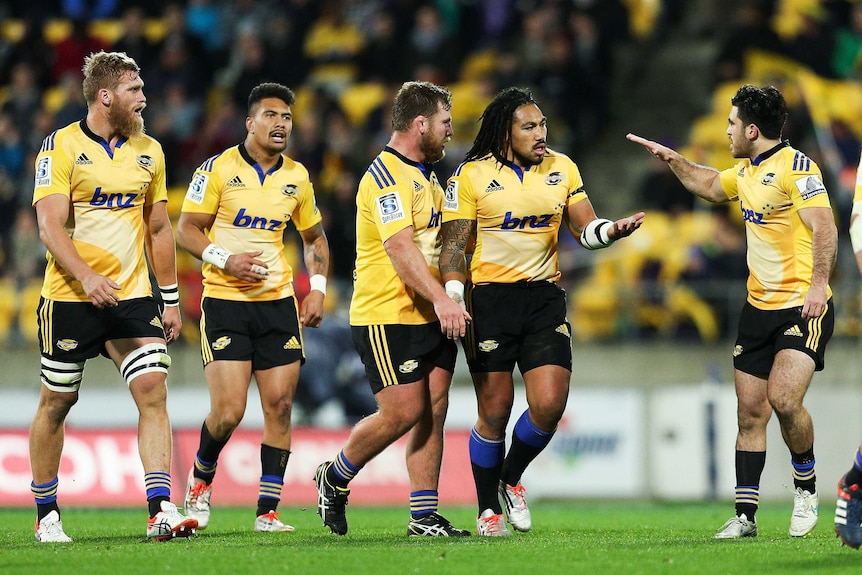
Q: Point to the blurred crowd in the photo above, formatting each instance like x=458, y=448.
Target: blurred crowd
x=346, y=58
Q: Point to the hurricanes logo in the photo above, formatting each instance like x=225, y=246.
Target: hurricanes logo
x=67, y=344
x=221, y=343
x=768, y=179
x=554, y=178
x=563, y=329
x=737, y=351
x=157, y=322
x=794, y=331
x=145, y=161
x=408, y=366
x=289, y=190
x=488, y=345
x=292, y=343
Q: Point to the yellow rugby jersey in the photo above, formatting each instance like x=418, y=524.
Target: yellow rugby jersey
x=771, y=190
x=394, y=193
x=251, y=210
x=518, y=214
x=108, y=192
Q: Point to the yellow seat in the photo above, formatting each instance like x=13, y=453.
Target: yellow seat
x=53, y=98
x=359, y=100
x=108, y=30
x=56, y=30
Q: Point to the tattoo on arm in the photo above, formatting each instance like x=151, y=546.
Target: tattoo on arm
x=316, y=251
x=456, y=236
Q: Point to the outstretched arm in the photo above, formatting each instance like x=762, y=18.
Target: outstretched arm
x=582, y=221
x=701, y=181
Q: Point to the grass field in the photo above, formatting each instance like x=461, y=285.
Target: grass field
x=620, y=537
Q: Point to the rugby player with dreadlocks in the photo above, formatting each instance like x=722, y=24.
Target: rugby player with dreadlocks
x=513, y=193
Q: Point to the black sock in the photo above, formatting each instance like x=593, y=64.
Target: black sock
x=487, y=481
x=273, y=463
x=749, y=467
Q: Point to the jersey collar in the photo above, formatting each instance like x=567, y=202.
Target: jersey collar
x=99, y=139
x=247, y=157
x=769, y=153
x=423, y=167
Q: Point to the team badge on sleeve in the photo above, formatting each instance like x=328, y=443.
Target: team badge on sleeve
x=389, y=206
x=43, y=173
x=810, y=186
x=451, y=201
x=197, y=187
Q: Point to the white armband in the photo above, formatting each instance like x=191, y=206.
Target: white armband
x=595, y=234
x=170, y=295
x=215, y=255
x=317, y=282
x=454, y=287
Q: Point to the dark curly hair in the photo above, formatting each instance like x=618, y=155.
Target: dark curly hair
x=269, y=90
x=764, y=107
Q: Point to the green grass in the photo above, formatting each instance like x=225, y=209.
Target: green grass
x=589, y=537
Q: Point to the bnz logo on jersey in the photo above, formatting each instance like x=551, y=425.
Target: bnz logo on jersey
x=389, y=206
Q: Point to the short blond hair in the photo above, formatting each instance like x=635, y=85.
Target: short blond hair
x=104, y=70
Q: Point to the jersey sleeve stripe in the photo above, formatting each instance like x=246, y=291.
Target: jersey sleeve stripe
x=207, y=166
x=48, y=142
x=388, y=177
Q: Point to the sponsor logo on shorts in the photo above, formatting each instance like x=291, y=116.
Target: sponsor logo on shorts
x=563, y=329
x=488, y=345
x=408, y=366
x=221, y=343
x=794, y=331
x=67, y=344
x=737, y=351
x=292, y=343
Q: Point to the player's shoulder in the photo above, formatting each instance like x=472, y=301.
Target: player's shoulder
x=384, y=171
x=223, y=159
x=554, y=159
x=294, y=167
x=62, y=136
x=475, y=167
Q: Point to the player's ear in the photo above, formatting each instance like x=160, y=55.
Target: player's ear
x=105, y=97
x=249, y=125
